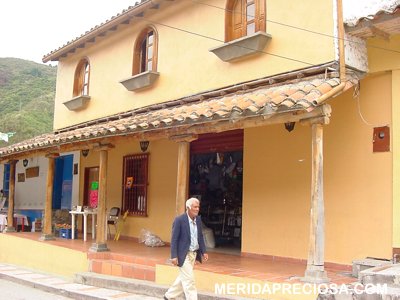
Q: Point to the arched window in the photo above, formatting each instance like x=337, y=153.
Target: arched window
x=243, y=18
x=81, y=81
x=145, y=54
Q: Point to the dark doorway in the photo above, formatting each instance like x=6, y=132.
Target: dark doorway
x=216, y=178
x=62, y=183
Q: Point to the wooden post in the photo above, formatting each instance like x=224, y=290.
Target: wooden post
x=315, y=271
x=182, y=185
x=100, y=245
x=47, y=233
x=11, y=197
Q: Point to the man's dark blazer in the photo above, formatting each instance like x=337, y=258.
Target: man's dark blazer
x=180, y=241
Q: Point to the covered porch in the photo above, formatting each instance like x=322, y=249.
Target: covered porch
x=129, y=259
x=297, y=97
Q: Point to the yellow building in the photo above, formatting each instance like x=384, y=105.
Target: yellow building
x=247, y=105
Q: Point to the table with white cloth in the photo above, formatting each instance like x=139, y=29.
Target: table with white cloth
x=85, y=214
x=18, y=220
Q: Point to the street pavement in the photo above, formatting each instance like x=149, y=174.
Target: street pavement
x=17, y=291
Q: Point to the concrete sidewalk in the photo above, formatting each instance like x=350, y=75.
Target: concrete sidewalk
x=63, y=286
x=92, y=286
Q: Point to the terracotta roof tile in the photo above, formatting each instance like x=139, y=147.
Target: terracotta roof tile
x=312, y=95
x=384, y=21
x=99, y=30
x=298, y=95
x=392, y=9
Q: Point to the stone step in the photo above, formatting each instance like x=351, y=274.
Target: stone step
x=388, y=274
x=126, y=258
x=123, y=269
x=389, y=293
x=367, y=263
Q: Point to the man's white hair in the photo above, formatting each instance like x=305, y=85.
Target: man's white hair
x=191, y=201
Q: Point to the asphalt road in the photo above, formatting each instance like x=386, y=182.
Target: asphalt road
x=15, y=291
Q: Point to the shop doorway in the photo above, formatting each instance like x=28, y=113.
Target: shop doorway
x=62, y=182
x=90, y=189
x=216, y=178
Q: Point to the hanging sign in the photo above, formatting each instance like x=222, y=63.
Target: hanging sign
x=94, y=185
x=129, y=182
x=93, y=198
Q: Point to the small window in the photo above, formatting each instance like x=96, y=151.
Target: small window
x=243, y=18
x=145, y=54
x=81, y=81
x=134, y=181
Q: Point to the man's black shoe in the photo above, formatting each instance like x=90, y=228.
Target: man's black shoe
x=165, y=298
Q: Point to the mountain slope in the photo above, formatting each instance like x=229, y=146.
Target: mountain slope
x=27, y=91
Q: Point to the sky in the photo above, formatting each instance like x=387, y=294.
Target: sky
x=30, y=29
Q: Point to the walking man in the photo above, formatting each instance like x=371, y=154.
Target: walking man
x=187, y=246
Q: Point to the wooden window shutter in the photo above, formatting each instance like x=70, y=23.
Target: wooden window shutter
x=145, y=51
x=81, y=80
x=238, y=19
x=260, y=15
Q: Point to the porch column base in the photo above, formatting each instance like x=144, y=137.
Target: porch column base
x=47, y=237
x=315, y=274
x=10, y=229
x=99, y=248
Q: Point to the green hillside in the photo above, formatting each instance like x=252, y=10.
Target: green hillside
x=27, y=91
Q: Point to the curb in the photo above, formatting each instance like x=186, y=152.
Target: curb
x=139, y=286
x=50, y=289
x=93, y=286
x=58, y=285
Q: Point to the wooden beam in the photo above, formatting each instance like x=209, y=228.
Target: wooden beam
x=100, y=245
x=182, y=185
x=47, y=233
x=102, y=147
x=380, y=33
x=52, y=155
x=366, y=23
x=184, y=138
x=317, y=120
x=315, y=271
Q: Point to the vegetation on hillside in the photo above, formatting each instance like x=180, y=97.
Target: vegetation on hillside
x=27, y=91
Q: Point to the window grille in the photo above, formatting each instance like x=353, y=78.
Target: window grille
x=134, y=195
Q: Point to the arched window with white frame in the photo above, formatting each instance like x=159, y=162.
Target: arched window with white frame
x=145, y=53
x=82, y=77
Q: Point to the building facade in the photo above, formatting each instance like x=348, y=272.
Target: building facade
x=279, y=129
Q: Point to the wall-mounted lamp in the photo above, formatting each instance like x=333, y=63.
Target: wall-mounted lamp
x=144, y=145
x=25, y=162
x=289, y=126
x=85, y=152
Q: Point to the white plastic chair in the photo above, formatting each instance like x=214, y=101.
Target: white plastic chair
x=112, y=219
